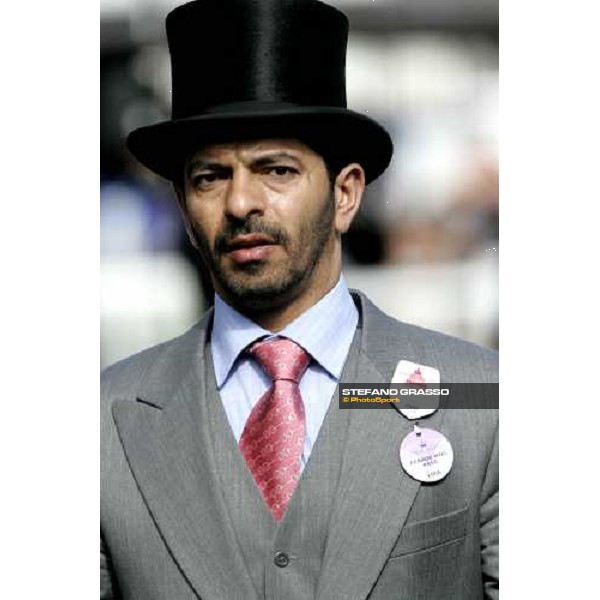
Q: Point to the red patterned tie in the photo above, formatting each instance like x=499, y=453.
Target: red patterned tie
x=274, y=433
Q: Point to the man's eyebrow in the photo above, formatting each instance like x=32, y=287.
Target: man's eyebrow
x=271, y=158
x=260, y=161
x=203, y=164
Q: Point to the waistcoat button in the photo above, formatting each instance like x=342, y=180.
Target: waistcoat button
x=282, y=559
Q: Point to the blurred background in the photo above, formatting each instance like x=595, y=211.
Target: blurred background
x=425, y=246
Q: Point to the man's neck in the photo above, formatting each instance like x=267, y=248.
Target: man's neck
x=276, y=319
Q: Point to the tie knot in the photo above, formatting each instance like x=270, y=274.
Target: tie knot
x=281, y=359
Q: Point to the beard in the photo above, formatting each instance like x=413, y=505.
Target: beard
x=263, y=285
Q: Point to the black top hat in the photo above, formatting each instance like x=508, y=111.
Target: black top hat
x=244, y=69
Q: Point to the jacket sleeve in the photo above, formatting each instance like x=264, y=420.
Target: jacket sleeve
x=108, y=587
x=489, y=526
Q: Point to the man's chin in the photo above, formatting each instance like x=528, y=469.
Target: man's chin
x=256, y=289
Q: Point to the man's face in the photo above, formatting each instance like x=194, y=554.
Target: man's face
x=262, y=215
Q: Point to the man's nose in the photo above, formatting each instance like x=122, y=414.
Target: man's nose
x=245, y=195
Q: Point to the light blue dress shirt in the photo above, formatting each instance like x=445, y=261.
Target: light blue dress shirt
x=325, y=331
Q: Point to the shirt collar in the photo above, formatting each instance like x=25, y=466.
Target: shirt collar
x=328, y=319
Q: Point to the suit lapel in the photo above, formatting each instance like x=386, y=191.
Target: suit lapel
x=374, y=495
x=167, y=444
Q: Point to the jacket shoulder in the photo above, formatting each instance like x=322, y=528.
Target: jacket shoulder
x=128, y=372
x=165, y=361
x=458, y=360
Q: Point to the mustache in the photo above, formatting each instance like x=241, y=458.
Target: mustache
x=232, y=229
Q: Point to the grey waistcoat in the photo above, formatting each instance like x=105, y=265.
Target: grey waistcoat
x=302, y=532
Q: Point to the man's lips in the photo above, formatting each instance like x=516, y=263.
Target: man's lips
x=250, y=240
x=250, y=247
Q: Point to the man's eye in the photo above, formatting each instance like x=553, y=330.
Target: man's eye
x=280, y=171
x=204, y=179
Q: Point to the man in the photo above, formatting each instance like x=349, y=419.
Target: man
x=229, y=469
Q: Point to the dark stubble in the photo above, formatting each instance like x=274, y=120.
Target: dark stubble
x=261, y=285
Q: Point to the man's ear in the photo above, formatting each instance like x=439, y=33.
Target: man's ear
x=181, y=203
x=348, y=192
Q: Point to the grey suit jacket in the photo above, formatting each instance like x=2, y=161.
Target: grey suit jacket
x=165, y=534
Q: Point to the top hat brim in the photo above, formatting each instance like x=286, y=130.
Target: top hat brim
x=341, y=136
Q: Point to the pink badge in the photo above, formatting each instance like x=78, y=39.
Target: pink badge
x=416, y=407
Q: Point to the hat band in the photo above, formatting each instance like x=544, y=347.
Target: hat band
x=249, y=107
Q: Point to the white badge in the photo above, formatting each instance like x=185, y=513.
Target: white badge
x=426, y=455
x=410, y=372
